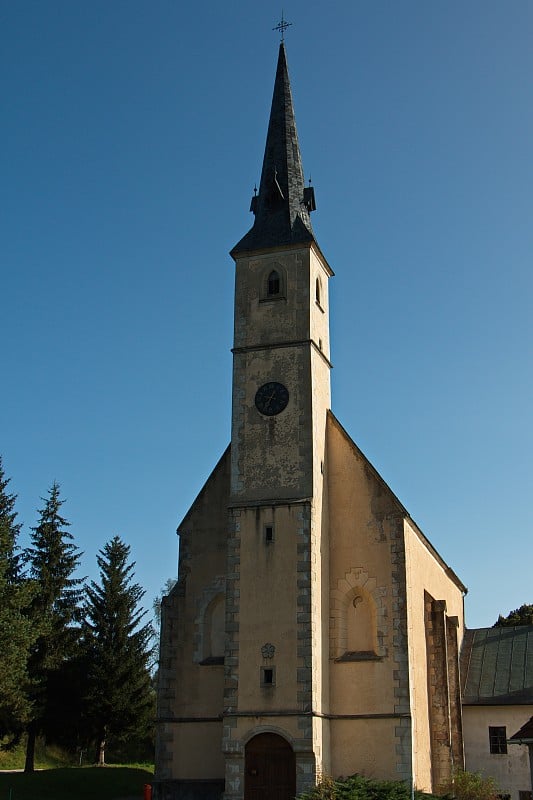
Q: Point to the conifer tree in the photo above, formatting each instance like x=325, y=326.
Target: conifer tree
x=10, y=530
x=520, y=616
x=120, y=697
x=55, y=609
x=16, y=633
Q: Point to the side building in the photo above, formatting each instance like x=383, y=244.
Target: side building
x=497, y=671
x=313, y=629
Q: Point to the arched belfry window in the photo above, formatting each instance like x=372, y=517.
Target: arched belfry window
x=273, y=283
x=317, y=291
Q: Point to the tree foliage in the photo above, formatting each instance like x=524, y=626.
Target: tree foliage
x=472, y=786
x=11, y=559
x=520, y=616
x=16, y=632
x=56, y=607
x=357, y=787
x=76, y=680
x=167, y=588
x=120, y=698
x=465, y=786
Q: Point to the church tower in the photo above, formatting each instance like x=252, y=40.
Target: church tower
x=313, y=628
x=278, y=526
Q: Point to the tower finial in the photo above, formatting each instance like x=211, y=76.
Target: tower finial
x=282, y=26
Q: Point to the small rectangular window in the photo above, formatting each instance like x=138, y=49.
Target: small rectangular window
x=269, y=533
x=498, y=739
x=268, y=676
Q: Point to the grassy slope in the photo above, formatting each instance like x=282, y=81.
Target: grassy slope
x=59, y=777
x=45, y=757
x=66, y=783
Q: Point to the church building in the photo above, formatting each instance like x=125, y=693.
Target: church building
x=313, y=630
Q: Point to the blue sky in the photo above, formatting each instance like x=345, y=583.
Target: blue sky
x=132, y=136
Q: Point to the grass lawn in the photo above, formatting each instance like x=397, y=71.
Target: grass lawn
x=75, y=783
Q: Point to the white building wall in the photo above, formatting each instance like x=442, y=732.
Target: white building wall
x=510, y=770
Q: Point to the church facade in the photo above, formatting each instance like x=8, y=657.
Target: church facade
x=313, y=629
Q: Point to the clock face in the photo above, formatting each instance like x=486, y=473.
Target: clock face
x=271, y=398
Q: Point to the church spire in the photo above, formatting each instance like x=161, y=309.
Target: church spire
x=283, y=204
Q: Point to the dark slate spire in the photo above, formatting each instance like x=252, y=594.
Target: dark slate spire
x=283, y=204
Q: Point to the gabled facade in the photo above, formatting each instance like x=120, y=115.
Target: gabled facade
x=313, y=629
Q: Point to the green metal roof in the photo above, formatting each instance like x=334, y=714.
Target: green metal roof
x=497, y=666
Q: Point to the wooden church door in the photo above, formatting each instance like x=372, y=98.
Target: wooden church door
x=270, y=768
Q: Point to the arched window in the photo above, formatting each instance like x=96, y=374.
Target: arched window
x=273, y=283
x=317, y=291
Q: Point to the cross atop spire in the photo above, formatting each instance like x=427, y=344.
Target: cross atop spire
x=282, y=27
x=283, y=203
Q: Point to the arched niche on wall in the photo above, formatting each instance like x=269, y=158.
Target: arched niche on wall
x=210, y=624
x=358, y=618
x=215, y=629
x=361, y=629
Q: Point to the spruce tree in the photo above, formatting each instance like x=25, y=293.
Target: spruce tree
x=16, y=632
x=10, y=530
x=120, y=699
x=56, y=608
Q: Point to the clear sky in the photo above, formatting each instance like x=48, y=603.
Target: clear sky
x=132, y=135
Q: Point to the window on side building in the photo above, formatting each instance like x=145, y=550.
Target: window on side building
x=498, y=739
